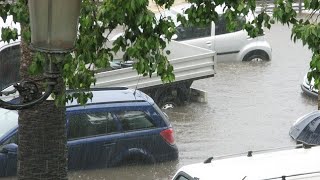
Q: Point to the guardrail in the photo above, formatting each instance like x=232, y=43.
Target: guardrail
x=268, y=6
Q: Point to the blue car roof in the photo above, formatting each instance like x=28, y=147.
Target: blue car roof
x=108, y=95
x=114, y=95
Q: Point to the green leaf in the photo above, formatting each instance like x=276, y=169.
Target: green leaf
x=240, y=7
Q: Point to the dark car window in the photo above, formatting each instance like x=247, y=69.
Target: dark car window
x=132, y=120
x=221, y=25
x=9, y=65
x=181, y=177
x=192, y=32
x=91, y=124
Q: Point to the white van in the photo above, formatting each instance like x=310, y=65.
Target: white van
x=300, y=163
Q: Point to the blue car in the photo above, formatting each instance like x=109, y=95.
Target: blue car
x=119, y=126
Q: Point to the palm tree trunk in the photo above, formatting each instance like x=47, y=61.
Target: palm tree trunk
x=42, y=152
x=318, y=96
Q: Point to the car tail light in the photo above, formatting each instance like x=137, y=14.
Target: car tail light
x=167, y=135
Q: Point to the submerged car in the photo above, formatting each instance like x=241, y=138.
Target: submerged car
x=119, y=126
x=308, y=87
x=230, y=46
x=289, y=164
x=306, y=129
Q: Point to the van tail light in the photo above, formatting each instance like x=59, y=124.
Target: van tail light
x=167, y=135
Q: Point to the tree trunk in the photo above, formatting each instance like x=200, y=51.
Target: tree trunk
x=42, y=152
x=318, y=96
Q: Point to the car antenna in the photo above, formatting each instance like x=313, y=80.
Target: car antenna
x=135, y=89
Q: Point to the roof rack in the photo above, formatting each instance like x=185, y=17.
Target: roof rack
x=250, y=153
x=284, y=177
x=98, y=89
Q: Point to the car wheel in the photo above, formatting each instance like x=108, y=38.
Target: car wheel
x=256, y=56
x=138, y=159
x=169, y=102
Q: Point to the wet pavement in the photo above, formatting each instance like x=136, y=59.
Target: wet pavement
x=251, y=106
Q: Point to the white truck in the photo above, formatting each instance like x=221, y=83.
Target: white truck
x=190, y=63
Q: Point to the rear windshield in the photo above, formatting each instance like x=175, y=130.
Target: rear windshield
x=162, y=114
x=8, y=120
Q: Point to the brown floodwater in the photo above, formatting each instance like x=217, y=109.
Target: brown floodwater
x=251, y=106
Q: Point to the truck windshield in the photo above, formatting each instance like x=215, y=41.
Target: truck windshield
x=8, y=120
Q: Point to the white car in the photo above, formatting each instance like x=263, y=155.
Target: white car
x=233, y=46
x=308, y=87
x=301, y=163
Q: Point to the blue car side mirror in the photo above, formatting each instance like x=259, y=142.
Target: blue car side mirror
x=10, y=148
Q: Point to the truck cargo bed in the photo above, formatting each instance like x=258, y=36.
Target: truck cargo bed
x=189, y=62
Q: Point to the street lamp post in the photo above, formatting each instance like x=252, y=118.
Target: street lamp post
x=54, y=25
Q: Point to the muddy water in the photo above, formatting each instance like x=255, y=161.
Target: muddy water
x=251, y=106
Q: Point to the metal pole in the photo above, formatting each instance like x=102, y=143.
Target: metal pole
x=300, y=6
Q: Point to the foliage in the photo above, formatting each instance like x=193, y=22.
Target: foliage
x=143, y=40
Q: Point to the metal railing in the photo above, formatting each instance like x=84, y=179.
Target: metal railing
x=268, y=6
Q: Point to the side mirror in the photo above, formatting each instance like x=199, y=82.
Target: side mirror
x=10, y=148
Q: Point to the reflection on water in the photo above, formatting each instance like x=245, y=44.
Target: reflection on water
x=250, y=106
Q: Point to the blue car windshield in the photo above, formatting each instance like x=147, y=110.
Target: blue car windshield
x=8, y=120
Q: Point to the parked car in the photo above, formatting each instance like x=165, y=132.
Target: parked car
x=308, y=87
x=229, y=46
x=118, y=126
x=306, y=129
x=301, y=163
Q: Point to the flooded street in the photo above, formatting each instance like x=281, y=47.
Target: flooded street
x=251, y=106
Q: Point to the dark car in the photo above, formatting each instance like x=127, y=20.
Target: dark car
x=117, y=127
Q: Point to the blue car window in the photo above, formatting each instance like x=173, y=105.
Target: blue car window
x=133, y=120
x=91, y=124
